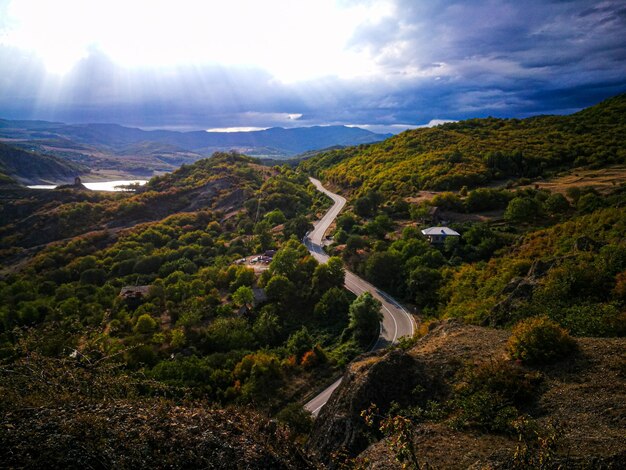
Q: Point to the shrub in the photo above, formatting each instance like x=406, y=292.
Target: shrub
x=522, y=209
x=539, y=340
x=300, y=342
x=297, y=418
x=145, y=324
x=489, y=395
x=309, y=360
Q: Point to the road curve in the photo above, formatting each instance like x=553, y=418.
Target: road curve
x=396, y=320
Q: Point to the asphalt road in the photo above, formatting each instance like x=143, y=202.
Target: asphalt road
x=396, y=320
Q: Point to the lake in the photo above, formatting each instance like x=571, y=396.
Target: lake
x=97, y=186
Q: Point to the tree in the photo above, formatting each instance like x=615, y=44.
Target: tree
x=346, y=222
x=522, y=209
x=148, y=264
x=368, y=204
x=329, y=275
x=93, y=276
x=365, y=317
x=383, y=268
x=263, y=235
x=285, y=261
x=589, y=202
x=333, y=305
x=300, y=342
x=297, y=226
x=363, y=207
x=243, y=297
x=355, y=242
x=227, y=334
x=294, y=262
x=178, y=338
x=279, y=288
x=556, y=204
x=267, y=329
x=423, y=285
x=145, y=324
x=340, y=236
x=260, y=373
x=275, y=217
x=379, y=226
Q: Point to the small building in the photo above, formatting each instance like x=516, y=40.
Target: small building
x=134, y=292
x=437, y=235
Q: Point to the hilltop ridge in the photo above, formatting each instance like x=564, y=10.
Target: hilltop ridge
x=479, y=152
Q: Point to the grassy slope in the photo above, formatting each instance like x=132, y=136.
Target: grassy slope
x=33, y=167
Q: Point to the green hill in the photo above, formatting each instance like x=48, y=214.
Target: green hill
x=479, y=151
x=30, y=167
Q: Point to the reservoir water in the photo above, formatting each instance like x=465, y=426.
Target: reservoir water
x=97, y=186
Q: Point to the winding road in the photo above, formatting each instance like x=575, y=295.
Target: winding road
x=396, y=320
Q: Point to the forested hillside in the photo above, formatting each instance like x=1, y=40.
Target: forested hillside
x=479, y=151
x=176, y=285
x=522, y=314
x=532, y=247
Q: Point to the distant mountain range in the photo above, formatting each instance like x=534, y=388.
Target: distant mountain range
x=274, y=142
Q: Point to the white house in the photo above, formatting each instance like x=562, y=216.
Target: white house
x=439, y=234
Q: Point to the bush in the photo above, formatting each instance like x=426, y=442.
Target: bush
x=489, y=395
x=522, y=209
x=145, y=324
x=539, y=340
x=297, y=418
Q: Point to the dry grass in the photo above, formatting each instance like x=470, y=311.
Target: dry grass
x=603, y=180
x=585, y=394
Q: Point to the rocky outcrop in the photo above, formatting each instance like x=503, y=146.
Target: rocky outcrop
x=585, y=395
x=377, y=378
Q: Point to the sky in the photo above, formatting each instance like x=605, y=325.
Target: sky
x=383, y=65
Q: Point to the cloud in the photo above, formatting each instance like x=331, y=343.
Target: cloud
x=493, y=57
x=430, y=61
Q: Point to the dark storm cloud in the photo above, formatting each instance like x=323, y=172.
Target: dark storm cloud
x=500, y=58
x=433, y=60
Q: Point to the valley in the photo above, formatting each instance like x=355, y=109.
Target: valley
x=130, y=322
x=99, y=152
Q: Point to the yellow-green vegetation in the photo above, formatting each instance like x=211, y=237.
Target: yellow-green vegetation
x=539, y=340
x=166, y=299
x=478, y=151
x=539, y=252
x=571, y=272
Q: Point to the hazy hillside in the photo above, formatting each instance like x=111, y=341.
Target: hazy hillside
x=479, y=151
x=32, y=167
x=114, y=137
